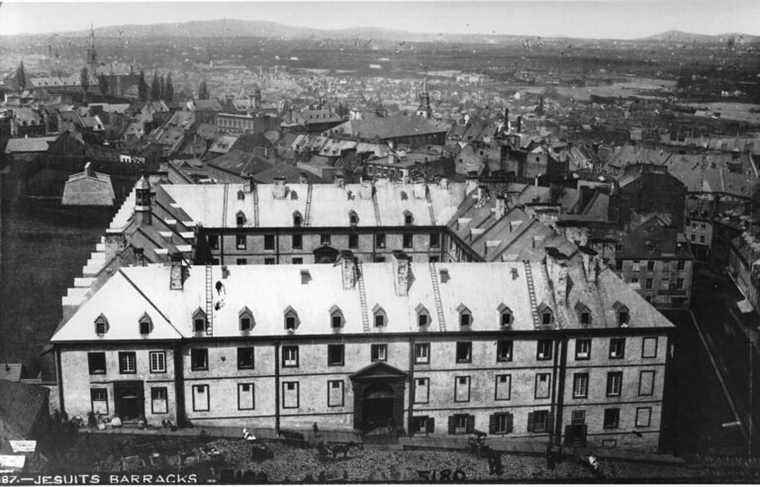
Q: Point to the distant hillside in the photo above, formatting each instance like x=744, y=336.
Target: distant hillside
x=274, y=30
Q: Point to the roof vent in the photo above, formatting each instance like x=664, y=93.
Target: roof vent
x=445, y=276
x=305, y=276
x=514, y=272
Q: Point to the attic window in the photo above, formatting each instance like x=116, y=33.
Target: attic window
x=465, y=316
x=514, y=272
x=584, y=314
x=240, y=218
x=444, y=276
x=404, y=196
x=305, y=276
x=146, y=325
x=423, y=316
x=293, y=195
x=353, y=218
x=380, y=317
x=623, y=315
x=291, y=320
x=101, y=325
x=408, y=218
x=199, y=321
x=240, y=195
x=297, y=219
x=336, y=318
x=506, y=318
x=246, y=319
x=547, y=317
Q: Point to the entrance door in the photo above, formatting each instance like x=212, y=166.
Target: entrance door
x=130, y=404
x=379, y=407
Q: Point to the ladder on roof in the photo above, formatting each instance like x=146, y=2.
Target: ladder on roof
x=362, y=297
x=224, y=205
x=307, y=211
x=255, y=205
x=209, y=301
x=531, y=292
x=376, y=207
x=437, y=297
x=430, y=204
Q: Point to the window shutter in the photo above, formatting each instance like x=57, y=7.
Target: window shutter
x=470, y=423
x=492, y=424
x=549, y=422
x=531, y=420
x=430, y=425
x=452, y=423
x=510, y=424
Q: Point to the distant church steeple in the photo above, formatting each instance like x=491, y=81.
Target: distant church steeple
x=92, y=56
x=424, y=109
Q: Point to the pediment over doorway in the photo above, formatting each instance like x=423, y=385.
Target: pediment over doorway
x=379, y=370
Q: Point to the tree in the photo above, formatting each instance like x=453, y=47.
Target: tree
x=21, y=76
x=155, y=88
x=103, y=84
x=203, y=91
x=169, y=96
x=142, y=87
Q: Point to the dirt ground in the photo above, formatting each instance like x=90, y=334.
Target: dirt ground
x=215, y=459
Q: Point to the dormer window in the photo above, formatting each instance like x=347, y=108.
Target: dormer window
x=546, y=315
x=240, y=218
x=404, y=196
x=293, y=195
x=145, y=324
x=336, y=318
x=380, y=317
x=506, y=318
x=101, y=325
x=465, y=316
x=291, y=320
x=584, y=314
x=199, y=321
x=623, y=315
x=353, y=218
x=246, y=319
x=408, y=218
x=423, y=316
x=240, y=195
x=297, y=219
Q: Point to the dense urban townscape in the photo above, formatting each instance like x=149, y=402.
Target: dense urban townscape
x=251, y=252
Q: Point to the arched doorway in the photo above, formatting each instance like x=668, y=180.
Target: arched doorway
x=378, y=407
x=325, y=255
x=379, y=398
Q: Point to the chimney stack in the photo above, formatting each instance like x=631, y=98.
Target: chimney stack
x=88, y=169
x=403, y=272
x=501, y=207
x=178, y=272
x=340, y=181
x=519, y=124
x=142, y=201
x=506, y=119
x=139, y=256
x=278, y=190
x=348, y=269
x=556, y=268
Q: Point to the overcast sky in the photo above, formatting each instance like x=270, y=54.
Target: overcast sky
x=601, y=19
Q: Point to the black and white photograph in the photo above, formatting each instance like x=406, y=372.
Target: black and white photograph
x=384, y=242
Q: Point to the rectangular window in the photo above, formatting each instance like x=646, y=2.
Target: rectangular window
x=650, y=265
x=503, y=387
x=679, y=283
x=462, y=388
x=614, y=383
x=213, y=241
x=421, y=353
x=97, y=363
x=290, y=399
x=335, y=354
x=240, y=241
x=611, y=418
x=246, y=397
x=648, y=283
x=504, y=351
x=407, y=240
x=127, y=363
x=423, y=424
x=681, y=265
x=544, y=350
x=324, y=239
x=636, y=266
x=461, y=424
x=241, y=261
x=580, y=385
x=297, y=260
x=643, y=417
x=538, y=421
x=269, y=261
x=199, y=359
x=99, y=399
x=665, y=284
x=617, y=348
x=297, y=241
x=582, y=348
x=646, y=383
x=380, y=240
x=200, y=397
x=501, y=424
x=379, y=352
x=290, y=356
x=543, y=385
x=269, y=242
x=245, y=357
x=159, y=400
x=578, y=416
x=421, y=390
x=353, y=241
x=435, y=240
x=464, y=352
x=334, y=393
x=649, y=347
x=157, y=362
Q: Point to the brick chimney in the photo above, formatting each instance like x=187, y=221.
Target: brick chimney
x=279, y=189
x=115, y=242
x=143, y=201
x=88, y=169
x=348, y=269
x=403, y=272
x=178, y=272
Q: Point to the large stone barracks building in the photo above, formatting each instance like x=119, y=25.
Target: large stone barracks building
x=554, y=348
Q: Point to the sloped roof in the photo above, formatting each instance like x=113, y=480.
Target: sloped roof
x=28, y=144
x=20, y=406
x=389, y=127
x=88, y=188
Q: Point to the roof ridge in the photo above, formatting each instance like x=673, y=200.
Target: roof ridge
x=121, y=271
